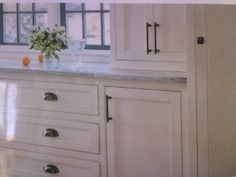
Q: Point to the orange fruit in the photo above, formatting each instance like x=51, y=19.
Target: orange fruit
x=25, y=60
x=40, y=58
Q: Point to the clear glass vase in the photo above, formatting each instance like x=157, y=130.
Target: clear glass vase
x=76, y=48
x=51, y=64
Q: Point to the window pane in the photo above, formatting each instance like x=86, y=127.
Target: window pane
x=106, y=6
x=40, y=6
x=92, y=6
x=73, y=6
x=74, y=25
x=9, y=28
x=25, y=6
x=107, y=28
x=25, y=27
x=93, y=28
x=9, y=7
x=41, y=19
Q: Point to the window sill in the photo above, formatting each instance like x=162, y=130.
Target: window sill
x=90, y=56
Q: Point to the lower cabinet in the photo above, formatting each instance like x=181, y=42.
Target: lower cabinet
x=44, y=131
x=15, y=163
x=143, y=133
x=42, y=134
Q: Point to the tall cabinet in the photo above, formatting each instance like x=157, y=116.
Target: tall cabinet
x=217, y=87
x=151, y=36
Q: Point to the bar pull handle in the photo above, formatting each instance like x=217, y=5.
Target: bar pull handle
x=156, y=25
x=107, y=108
x=147, y=37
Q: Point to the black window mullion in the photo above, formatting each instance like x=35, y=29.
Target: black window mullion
x=84, y=31
x=1, y=23
x=102, y=26
x=63, y=14
x=18, y=22
x=33, y=14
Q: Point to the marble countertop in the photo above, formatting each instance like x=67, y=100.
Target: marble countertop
x=94, y=70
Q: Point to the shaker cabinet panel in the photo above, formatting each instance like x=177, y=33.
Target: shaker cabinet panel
x=131, y=21
x=76, y=136
x=61, y=97
x=144, y=135
x=171, y=33
x=15, y=163
x=152, y=37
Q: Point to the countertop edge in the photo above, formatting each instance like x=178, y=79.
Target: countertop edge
x=101, y=71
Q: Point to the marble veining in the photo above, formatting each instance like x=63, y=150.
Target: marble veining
x=96, y=70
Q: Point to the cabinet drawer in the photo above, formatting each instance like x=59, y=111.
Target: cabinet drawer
x=75, y=136
x=26, y=164
x=72, y=98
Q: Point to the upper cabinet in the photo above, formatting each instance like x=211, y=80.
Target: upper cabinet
x=151, y=36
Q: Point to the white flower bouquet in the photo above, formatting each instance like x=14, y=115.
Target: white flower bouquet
x=48, y=41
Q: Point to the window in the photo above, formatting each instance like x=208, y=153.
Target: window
x=16, y=20
x=89, y=21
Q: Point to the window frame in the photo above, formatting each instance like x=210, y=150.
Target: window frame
x=83, y=13
x=17, y=12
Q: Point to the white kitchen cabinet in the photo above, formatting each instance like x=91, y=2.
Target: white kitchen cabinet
x=27, y=164
x=152, y=37
x=73, y=98
x=41, y=118
x=216, y=92
x=144, y=135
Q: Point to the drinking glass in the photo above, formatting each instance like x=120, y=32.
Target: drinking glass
x=76, y=48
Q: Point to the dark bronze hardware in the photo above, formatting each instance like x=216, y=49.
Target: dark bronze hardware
x=107, y=109
x=50, y=169
x=200, y=40
x=50, y=132
x=156, y=25
x=49, y=96
x=147, y=36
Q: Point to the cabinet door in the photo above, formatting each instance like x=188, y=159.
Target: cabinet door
x=144, y=135
x=130, y=30
x=170, y=38
x=171, y=34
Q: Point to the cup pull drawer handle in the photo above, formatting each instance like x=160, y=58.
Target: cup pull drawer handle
x=49, y=96
x=51, y=169
x=50, y=132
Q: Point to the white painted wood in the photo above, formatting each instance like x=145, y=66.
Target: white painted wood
x=50, y=115
x=130, y=23
x=221, y=59
x=71, y=98
x=129, y=36
x=201, y=92
x=27, y=164
x=171, y=35
x=144, y=137
x=75, y=136
x=188, y=99
x=55, y=116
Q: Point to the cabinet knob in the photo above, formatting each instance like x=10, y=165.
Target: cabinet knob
x=51, y=169
x=49, y=96
x=200, y=40
x=50, y=132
